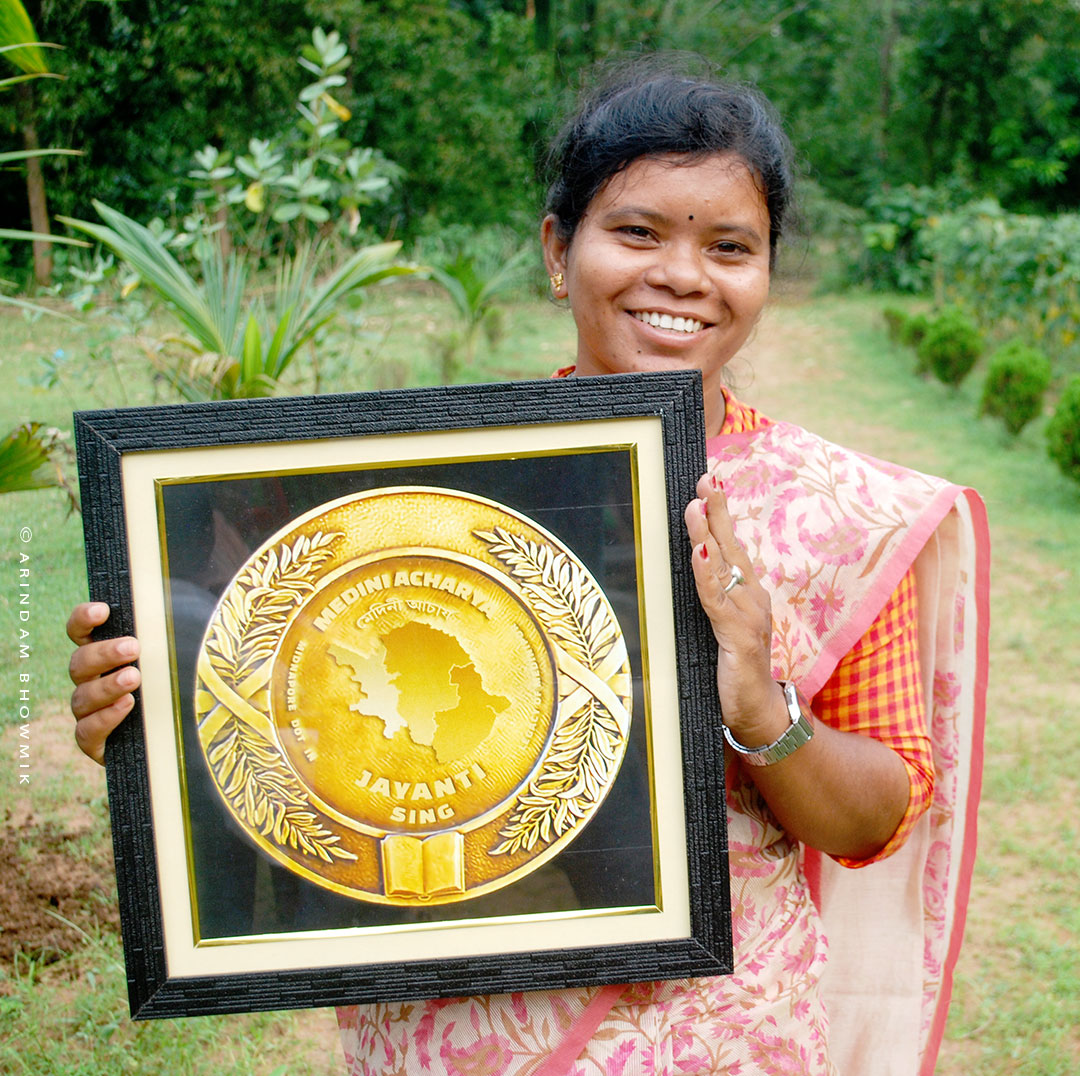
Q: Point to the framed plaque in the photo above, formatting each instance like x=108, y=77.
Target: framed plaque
x=427, y=693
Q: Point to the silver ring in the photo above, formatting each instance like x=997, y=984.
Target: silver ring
x=737, y=578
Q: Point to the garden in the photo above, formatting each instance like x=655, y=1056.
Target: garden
x=343, y=197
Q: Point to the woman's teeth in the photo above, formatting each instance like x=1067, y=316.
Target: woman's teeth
x=666, y=321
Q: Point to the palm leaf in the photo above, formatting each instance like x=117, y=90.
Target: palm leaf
x=19, y=39
x=30, y=458
x=147, y=255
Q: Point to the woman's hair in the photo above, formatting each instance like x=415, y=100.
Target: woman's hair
x=647, y=109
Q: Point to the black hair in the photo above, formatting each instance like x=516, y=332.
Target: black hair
x=644, y=108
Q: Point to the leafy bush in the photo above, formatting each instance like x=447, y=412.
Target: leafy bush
x=1063, y=431
x=912, y=331
x=307, y=181
x=895, y=320
x=894, y=257
x=239, y=341
x=951, y=346
x=1015, y=272
x=1016, y=382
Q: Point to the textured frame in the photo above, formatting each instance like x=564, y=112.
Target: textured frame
x=104, y=438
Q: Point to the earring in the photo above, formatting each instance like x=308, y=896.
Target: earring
x=556, y=281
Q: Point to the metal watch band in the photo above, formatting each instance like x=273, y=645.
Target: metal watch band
x=799, y=732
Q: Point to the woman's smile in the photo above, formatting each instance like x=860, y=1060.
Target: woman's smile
x=668, y=269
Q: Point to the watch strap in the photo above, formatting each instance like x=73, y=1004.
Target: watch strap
x=799, y=732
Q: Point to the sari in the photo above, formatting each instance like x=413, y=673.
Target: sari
x=837, y=970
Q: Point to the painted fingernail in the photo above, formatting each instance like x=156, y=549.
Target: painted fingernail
x=704, y=553
x=704, y=508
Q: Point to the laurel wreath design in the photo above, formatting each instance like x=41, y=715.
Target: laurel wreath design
x=561, y=594
x=247, y=766
x=257, y=605
x=586, y=747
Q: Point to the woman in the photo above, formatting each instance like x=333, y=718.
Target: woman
x=823, y=574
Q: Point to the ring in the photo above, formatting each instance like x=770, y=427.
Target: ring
x=736, y=579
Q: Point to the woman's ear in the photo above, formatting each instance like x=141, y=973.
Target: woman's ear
x=555, y=250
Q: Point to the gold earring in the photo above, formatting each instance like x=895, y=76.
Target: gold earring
x=556, y=281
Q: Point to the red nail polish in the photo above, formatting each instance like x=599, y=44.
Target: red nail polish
x=704, y=508
x=712, y=479
x=704, y=553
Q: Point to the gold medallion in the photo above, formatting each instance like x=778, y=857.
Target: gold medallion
x=413, y=696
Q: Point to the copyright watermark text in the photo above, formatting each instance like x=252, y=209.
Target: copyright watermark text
x=23, y=628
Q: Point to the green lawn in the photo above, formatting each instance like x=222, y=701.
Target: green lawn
x=825, y=363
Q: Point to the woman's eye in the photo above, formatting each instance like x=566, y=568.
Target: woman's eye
x=729, y=248
x=636, y=231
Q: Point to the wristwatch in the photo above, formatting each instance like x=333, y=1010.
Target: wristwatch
x=800, y=731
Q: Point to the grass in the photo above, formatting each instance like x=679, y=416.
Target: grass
x=824, y=363
x=87, y=1033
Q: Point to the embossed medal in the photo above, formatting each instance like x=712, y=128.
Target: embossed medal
x=413, y=696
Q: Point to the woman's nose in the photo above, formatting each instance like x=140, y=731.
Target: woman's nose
x=679, y=267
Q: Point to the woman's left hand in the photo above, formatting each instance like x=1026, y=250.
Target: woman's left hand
x=741, y=618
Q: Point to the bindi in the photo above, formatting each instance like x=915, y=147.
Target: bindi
x=691, y=217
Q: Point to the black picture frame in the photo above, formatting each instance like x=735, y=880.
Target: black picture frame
x=532, y=436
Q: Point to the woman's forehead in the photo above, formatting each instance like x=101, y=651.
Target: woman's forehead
x=671, y=177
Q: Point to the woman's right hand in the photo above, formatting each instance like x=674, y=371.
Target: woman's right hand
x=104, y=681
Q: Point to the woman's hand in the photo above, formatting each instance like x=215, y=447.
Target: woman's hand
x=741, y=619
x=104, y=680
x=842, y=793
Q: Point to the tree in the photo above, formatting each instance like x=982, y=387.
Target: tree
x=19, y=43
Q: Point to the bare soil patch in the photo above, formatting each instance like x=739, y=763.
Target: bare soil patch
x=57, y=885
x=57, y=893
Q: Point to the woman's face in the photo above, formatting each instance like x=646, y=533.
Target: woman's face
x=668, y=269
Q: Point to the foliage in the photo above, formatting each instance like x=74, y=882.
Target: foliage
x=151, y=81
x=30, y=458
x=19, y=45
x=307, y=177
x=951, y=346
x=239, y=344
x=912, y=331
x=1063, y=431
x=895, y=319
x=989, y=90
x=31, y=455
x=1017, y=378
x=883, y=93
x=475, y=277
x=1019, y=273
x=459, y=102
x=894, y=255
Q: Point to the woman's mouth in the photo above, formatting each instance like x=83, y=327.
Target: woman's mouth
x=668, y=321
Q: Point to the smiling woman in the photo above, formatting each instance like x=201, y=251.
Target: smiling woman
x=668, y=269
x=847, y=598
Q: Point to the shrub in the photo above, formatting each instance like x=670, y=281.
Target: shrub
x=1013, y=271
x=950, y=347
x=895, y=320
x=1016, y=381
x=894, y=257
x=913, y=329
x=1063, y=431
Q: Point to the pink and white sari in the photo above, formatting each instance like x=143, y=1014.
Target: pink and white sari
x=831, y=533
